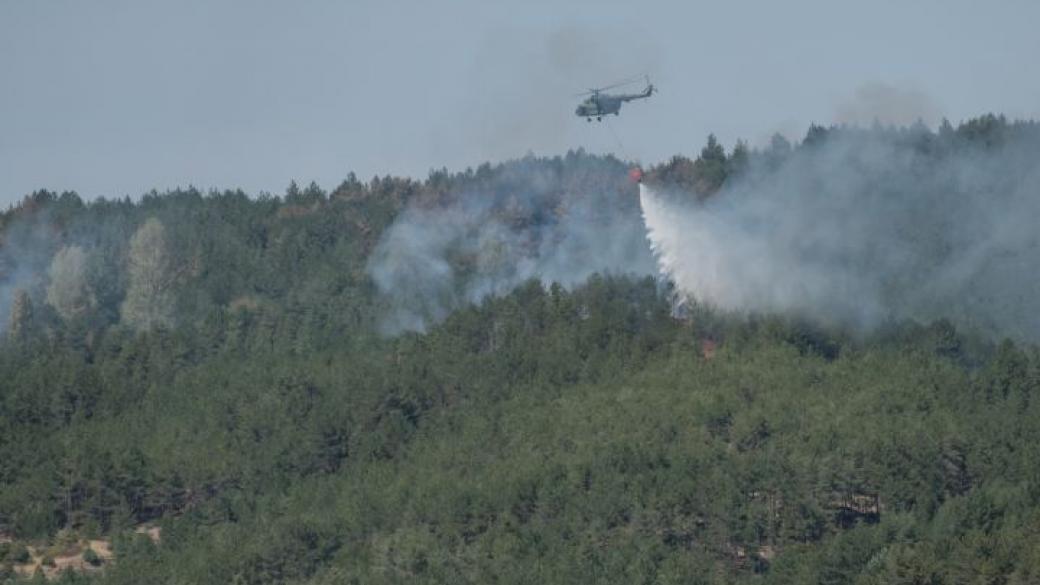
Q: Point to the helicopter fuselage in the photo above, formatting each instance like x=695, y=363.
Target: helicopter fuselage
x=601, y=104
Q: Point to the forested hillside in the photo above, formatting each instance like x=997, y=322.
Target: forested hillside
x=481, y=378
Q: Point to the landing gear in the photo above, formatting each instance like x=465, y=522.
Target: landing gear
x=599, y=118
x=590, y=119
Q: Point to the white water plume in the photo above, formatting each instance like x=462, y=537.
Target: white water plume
x=867, y=228
x=735, y=260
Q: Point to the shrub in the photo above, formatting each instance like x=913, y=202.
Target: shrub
x=91, y=557
x=19, y=554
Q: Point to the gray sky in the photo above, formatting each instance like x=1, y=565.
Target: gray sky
x=118, y=97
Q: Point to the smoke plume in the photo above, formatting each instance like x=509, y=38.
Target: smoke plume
x=530, y=221
x=865, y=227
x=887, y=104
x=25, y=252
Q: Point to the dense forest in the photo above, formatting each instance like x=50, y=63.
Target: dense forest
x=227, y=388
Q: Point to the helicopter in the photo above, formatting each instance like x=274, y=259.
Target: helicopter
x=599, y=104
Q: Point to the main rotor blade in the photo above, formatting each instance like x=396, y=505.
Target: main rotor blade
x=628, y=81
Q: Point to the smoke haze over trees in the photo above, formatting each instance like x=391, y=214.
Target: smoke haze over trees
x=68, y=290
x=859, y=227
x=484, y=376
x=149, y=302
x=556, y=223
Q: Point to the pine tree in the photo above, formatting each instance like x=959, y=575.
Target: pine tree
x=21, y=315
x=710, y=168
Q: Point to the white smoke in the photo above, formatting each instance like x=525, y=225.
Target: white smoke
x=528, y=222
x=743, y=260
x=865, y=228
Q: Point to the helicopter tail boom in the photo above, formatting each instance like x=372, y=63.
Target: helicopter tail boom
x=649, y=91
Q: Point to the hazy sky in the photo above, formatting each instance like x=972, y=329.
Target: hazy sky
x=119, y=97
